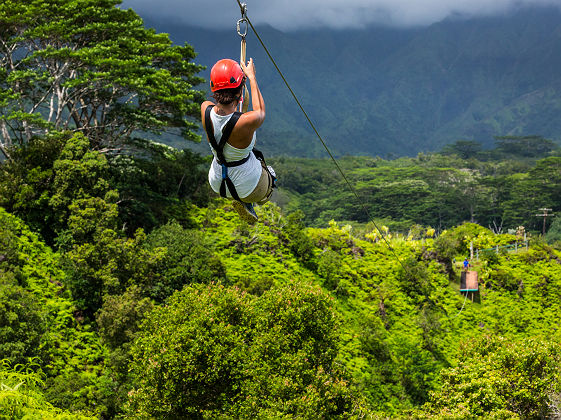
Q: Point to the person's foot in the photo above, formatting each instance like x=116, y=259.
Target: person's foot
x=246, y=211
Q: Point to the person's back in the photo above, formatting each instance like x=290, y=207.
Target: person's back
x=246, y=176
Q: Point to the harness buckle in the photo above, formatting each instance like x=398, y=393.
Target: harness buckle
x=224, y=171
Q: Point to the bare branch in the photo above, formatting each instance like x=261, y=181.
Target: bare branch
x=7, y=140
x=107, y=150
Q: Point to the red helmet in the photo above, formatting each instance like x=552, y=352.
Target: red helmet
x=225, y=74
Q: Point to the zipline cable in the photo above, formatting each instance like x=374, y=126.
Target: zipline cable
x=462, y=308
x=243, y=10
x=245, y=19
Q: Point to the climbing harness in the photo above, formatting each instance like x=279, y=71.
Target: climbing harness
x=219, y=149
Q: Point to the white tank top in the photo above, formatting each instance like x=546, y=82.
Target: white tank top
x=246, y=176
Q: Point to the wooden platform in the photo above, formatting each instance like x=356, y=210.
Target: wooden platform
x=468, y=281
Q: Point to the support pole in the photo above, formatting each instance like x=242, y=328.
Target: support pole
x=545, y=214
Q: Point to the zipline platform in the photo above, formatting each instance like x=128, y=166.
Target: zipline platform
x=469, y=284
x=468, y=281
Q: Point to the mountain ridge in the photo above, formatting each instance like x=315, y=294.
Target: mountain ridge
x=393, y=92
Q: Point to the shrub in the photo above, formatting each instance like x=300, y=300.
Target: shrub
x=490, y=256
x=498, y=378
x=329, y=267
x=299, y=242
x=216, y=351
x=21, y=395
x=22, y=322
x=187, y=259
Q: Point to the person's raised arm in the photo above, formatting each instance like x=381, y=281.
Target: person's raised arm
x=257, y=115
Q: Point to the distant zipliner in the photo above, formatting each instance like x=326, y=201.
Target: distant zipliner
x=238, y=170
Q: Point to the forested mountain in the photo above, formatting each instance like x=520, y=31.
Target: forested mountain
x=394, y=92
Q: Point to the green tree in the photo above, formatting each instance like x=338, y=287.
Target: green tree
x=525, y=146
x=26, y=182
x=50, y=178
x=119, y=322
x=546, y=178
x=215, y=351
x=329, y=267
x=22, y=322
x=78, y=175
x=300, y=243
x=540, y=187
x=188, y=258
x=90, y=66
x=160, y=187
x=465, y=149
x=108, y=265
x=554, y=233
x=499, y=378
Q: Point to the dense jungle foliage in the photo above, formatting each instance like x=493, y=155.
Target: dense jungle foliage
x=499, y=188
x=128, y=291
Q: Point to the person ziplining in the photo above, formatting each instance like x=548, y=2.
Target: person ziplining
x=238, y=171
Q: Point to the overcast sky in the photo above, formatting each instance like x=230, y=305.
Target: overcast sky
x=298, y=14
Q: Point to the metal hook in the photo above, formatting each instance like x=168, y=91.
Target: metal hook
x=243, y=8
x=242, y=20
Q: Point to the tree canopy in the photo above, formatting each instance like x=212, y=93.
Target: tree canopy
x=92, y=67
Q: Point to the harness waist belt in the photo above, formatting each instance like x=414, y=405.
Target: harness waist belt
x=234, y=163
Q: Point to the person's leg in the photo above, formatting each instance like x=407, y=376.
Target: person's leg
x=262, y=192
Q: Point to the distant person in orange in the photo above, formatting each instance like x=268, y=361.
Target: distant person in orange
x=238, y=171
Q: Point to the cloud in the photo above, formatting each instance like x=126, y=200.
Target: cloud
x=290, y=15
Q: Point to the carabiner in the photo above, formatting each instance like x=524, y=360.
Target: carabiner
x=243, y=9
x=242, y=20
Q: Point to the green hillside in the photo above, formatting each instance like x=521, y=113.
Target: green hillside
x=327, y=320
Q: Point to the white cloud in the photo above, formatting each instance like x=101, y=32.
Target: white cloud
x=289, y=15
